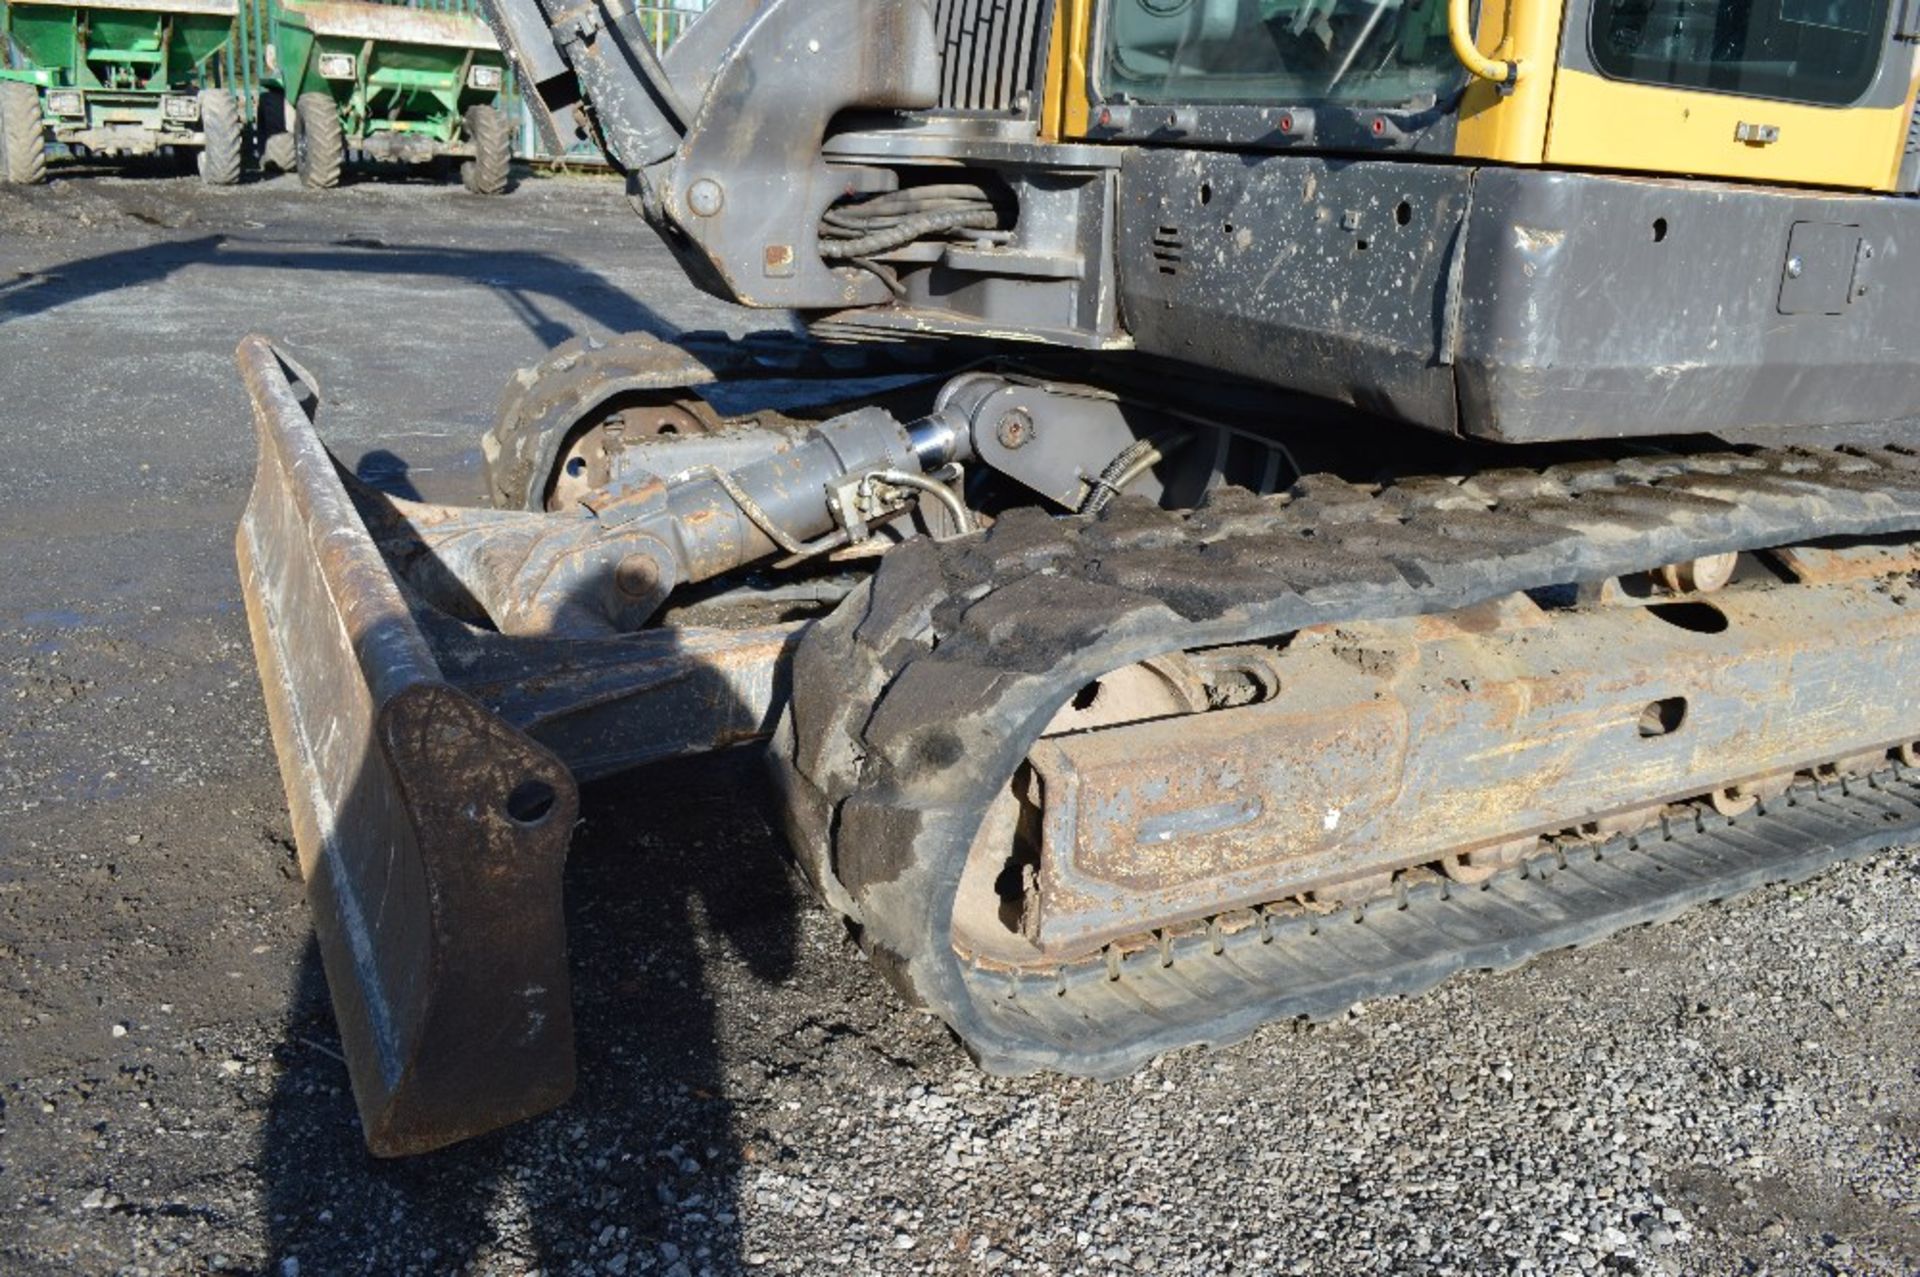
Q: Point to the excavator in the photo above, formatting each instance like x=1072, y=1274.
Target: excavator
x=1247, y=507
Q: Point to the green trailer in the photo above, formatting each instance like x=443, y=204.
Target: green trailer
x=389, y=81
x=121, y=77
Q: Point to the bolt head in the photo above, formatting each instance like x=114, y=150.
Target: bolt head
x=637, y=576
x=705, y=197
x=1014, y=429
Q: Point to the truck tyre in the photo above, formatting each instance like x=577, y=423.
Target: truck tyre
x=226, y=135
x=278, y=153
x=23, y=135
x=273, y=128
x=321, y=147
x=492, y=137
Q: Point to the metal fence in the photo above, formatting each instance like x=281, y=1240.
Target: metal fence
x=663, y=21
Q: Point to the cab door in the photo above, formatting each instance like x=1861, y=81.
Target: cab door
x=1808, y=92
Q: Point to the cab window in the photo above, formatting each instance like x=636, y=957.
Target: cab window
x=1372, y=52
x=1821, y=51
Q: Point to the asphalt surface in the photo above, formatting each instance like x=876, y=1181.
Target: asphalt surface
x=1736, y=1092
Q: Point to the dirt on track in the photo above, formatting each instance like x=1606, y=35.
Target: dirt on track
x=1736, y=1092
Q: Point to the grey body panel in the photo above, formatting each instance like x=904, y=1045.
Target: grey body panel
x=1595, y=306
x=749, y=184
x=1525, y=304
x=1316, y=274
x=1505, y=303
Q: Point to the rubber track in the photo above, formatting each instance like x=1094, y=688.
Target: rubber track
x=1303, y=966
x=914, y=702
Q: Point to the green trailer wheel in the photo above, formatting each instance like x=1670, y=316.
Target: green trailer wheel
x=491, y=135
x=23, y=135
x=320, y=146
x=408, y=84
x=273, y=128
x=128, y=77
x=279, y=154
x=225, y=131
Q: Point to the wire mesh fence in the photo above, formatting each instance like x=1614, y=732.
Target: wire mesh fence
x=663, y=21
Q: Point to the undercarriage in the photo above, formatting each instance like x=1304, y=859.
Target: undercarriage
x=1277, y=503
x=1097, y=759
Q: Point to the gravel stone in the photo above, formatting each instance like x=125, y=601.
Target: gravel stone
x=1734, y=1092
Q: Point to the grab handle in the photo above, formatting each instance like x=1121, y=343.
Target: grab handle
x=1503, y=72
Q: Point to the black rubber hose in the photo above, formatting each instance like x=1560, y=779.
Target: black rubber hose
x=908, y=230
x=1113, y=476
x=847, y=225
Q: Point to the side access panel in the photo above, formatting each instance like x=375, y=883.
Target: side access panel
x=1324, y=276
x=1604, y=306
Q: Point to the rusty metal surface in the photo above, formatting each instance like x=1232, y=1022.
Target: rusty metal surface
x=215, y=8
x=644, y=382
x=606, y=565
x=431, y=768
x=400, y=24
x=1886, y=556
x=1400, y=743
x=578, y=382
x=431, y=834
x=608, y=706
x=916, y=703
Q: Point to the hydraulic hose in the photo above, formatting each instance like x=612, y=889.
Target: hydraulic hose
x=1127, y=465
x=907, y=229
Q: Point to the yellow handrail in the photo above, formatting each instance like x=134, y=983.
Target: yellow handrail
x=1504, y=72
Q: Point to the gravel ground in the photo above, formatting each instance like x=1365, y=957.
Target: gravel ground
x=1736, y=1092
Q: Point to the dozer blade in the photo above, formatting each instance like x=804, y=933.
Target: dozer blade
x=431, y=832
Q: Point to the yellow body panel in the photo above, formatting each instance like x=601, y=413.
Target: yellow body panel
x=1511, y=127
x=1063, y=111
x=1578, y=119
x=1602, y=123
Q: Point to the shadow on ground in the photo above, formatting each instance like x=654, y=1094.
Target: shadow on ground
x=177, y=162
x=530, y=282
x=646, y=1150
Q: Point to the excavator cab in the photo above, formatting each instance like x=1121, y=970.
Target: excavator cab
x=1311, y=496
x=1802, y=94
